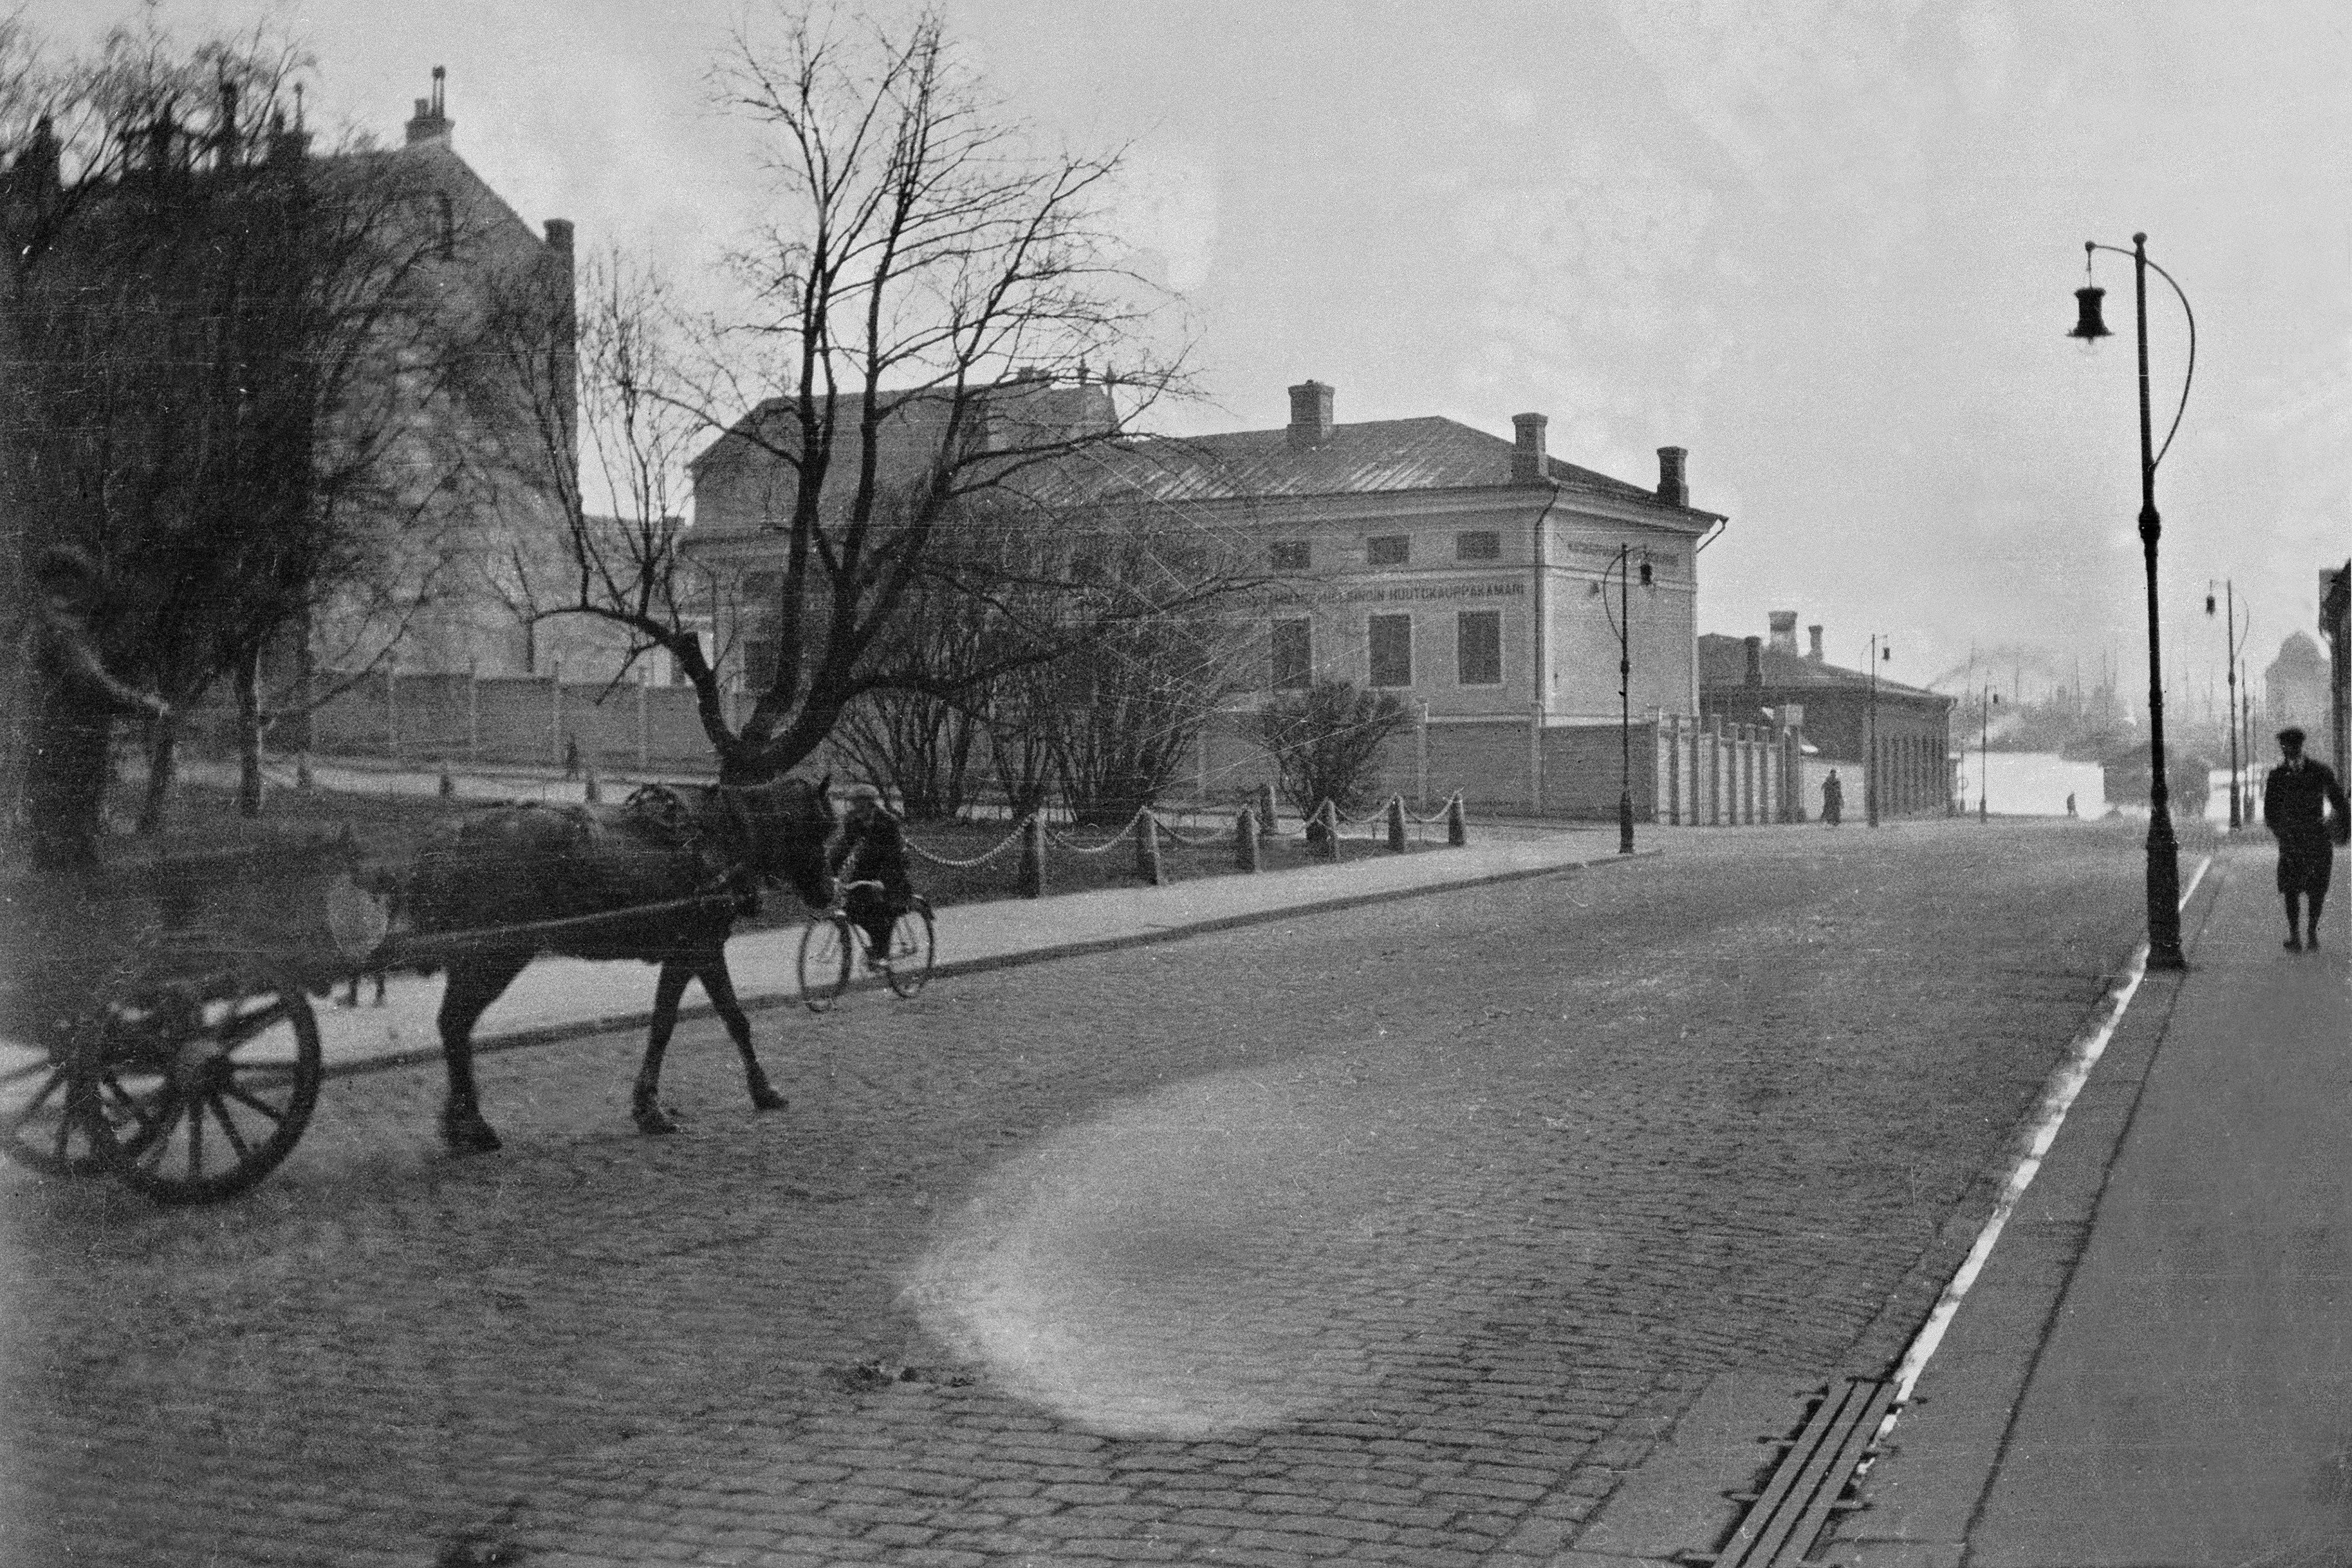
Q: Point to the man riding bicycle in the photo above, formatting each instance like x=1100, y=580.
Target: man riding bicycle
x=871, y=849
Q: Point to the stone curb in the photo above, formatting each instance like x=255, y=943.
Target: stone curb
x=550, y=1034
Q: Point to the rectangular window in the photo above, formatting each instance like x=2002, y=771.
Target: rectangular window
x=1391, y=640
x=1294, y=655
x=1478, y=648
x=1290, y=555
x=1483, y=545
x=1388, y=549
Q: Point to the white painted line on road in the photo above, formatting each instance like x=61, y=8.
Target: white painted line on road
x=2065, y=1083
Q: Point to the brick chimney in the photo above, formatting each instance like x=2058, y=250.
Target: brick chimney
x=1784, y=630
x=1755, y=660
x=1310, y=415
x=432, y=123
x=1671, y=489
x=1528, y=461
x=1814, y=654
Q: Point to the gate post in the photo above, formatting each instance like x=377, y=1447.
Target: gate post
x=1246, y=855
x=1032, y=882
x=1396, y=824
x=1147, y=845
x=1265, y=809
x=1457, y=828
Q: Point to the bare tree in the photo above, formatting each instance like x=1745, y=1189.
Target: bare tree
x=1326, y=741
x=218, y=340
x=927, y=306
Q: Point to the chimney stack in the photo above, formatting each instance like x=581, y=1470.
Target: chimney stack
x=432, y=121
x=1784, y=630
x=1815, y=632
x=1755, y=660
x=1310, y=415
x=1671, y=489
x=1528, y=464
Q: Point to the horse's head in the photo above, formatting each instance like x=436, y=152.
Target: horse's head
x=792, y=820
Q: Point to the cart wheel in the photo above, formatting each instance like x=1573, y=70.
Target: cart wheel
x=39, y=1132
x=192, y=1099
x=824, y=961
x=911, y=949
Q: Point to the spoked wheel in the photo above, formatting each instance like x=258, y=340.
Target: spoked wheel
x=909, y=958
x=35, y=1129
x=824, y=962
x=192, y=1099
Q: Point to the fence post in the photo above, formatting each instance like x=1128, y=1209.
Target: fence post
x=1535, y=761
x=1675, y=773
x=1396, y=824
x=644, y=746
x=1265, y=809
x=302, y=779
x=556, y=716
x=1714, y=734
x=1421, y=761
x=1031, y=883
x=1457, y=827
x=594, y=792
x=1245, y=856
x=391, y=710
x=1323, y=833
x=473, y=710
x=1147, y=845
x=448, y=784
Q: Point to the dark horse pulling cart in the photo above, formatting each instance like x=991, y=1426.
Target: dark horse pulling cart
x=157, y=1019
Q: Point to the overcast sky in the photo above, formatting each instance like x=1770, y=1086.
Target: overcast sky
x=1830, y=247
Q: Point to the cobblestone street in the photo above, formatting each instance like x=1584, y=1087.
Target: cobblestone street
x=1393, y=1235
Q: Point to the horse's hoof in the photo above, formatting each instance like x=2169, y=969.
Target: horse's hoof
x=469, y=1137
x=766, y=1099
x=655, y=1120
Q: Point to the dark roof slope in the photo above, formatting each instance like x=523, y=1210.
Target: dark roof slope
x=1431, y=453
x=1722, y=662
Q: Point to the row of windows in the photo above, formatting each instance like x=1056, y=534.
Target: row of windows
x=1388, y=549
x=1477, y=651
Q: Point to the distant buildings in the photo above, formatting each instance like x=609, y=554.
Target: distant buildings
x=2295, y=691
x=1756, y=681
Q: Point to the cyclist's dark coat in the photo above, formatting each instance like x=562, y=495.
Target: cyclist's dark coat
x=872, y=850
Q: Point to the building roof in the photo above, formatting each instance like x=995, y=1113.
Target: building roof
x=1373, y=457
x=1722, y=663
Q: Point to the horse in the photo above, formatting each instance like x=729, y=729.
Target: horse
x=662, y=878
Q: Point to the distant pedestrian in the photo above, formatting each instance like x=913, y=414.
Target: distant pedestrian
x=1832, y=800
x=2305, y=810
x=2070, y=804
x=571, y=756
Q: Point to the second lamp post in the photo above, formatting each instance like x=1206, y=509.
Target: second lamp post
x=2163, y=847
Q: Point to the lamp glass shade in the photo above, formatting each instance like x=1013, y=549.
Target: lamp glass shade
x=2088, y=324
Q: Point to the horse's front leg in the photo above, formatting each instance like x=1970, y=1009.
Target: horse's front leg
x=719, y=987
x=644, y=1101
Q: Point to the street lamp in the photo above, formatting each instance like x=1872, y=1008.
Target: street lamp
x=1869, y=765
x=1985, y=702
x=2163, y=849
x=1624, y=628
x=2230, y=599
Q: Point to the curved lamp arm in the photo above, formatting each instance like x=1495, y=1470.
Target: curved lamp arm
x=2190, y=374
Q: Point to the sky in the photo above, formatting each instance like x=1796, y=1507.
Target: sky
x=1829, y=247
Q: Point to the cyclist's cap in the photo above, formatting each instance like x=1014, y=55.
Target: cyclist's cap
x=861, y=792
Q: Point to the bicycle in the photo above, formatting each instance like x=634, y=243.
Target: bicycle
x=832, y=941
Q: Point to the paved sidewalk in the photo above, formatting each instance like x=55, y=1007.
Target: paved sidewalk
x=560, y=997
x=2155, y=1367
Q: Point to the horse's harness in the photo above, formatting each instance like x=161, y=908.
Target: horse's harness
x=722, y=836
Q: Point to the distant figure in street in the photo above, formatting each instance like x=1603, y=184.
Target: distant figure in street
x=1832, y=800
x=2070, y=804
x=571, y=756
x=2304, y=808
x=871, y=848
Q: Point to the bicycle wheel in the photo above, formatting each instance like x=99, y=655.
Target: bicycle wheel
x=190, y=1098
x=911, y=941
x=824, y=961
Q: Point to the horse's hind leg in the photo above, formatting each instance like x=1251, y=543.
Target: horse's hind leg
x=473, y=985
x=645, y=1100
x=719, y=987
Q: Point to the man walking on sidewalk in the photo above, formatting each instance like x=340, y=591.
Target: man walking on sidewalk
x=2297, y=804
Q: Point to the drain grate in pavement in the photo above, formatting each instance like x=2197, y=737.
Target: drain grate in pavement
x=1807, y=1487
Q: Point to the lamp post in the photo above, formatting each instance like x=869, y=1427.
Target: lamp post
x=2163, y=849
x=1625, y=619
x=2229, y=632
x=1985, y=701
x=1870, y=763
